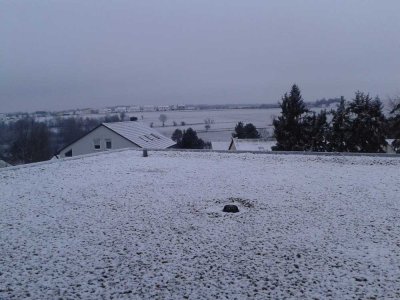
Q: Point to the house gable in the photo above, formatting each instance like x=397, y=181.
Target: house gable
x=96, y=141
x=232, y=145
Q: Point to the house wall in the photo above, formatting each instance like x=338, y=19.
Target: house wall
x=85, y=145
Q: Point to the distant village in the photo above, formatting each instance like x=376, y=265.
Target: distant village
x=15, y=116
x=93, y=111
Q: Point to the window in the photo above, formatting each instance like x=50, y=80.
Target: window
x=96, y=143
x=68, y=153
x=108, y=144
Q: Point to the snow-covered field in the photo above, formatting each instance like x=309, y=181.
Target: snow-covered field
x=118, y=225
x=224, y=124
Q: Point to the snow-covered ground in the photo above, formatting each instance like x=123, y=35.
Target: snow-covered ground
x=118, y=225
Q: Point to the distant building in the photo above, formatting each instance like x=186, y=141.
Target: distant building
x=118, y=135
x=86, y=111
x=105, y=110
x=120, y=109
x=134, y=109
x=251, y=145
x=40, y=114
x=149, y=108
x=162, y=108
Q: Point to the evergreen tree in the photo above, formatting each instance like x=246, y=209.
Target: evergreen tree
x=394, y=125
x=248, y=131
x=177, y=136
x=190, y=140
x=251, y=131
x=316, y=129
x=239, y=131
x=289, y=126
x=367, y=124
x=339, y=136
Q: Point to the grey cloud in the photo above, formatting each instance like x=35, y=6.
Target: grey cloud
x=64, y=54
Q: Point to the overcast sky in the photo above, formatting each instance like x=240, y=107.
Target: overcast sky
x=92, y=53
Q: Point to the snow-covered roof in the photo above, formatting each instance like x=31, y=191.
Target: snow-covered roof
x=252, y=144
x=153, y=228
x=220, y=145
x=140, y=134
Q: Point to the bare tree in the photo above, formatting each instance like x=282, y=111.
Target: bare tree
x=208, y=123
x=31, y=141
x=163, y=118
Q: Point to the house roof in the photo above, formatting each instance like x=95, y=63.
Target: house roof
x=220, y=145
x=140, y=134
x=252, y=144
x=135, y=132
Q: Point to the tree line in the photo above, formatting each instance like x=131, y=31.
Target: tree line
x=358, y=125
x=188, y=139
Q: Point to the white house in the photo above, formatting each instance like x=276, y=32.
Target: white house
x=117, y=135
x=251, y=145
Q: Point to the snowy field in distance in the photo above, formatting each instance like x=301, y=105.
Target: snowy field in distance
x=225, y=121
x=118, y=225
